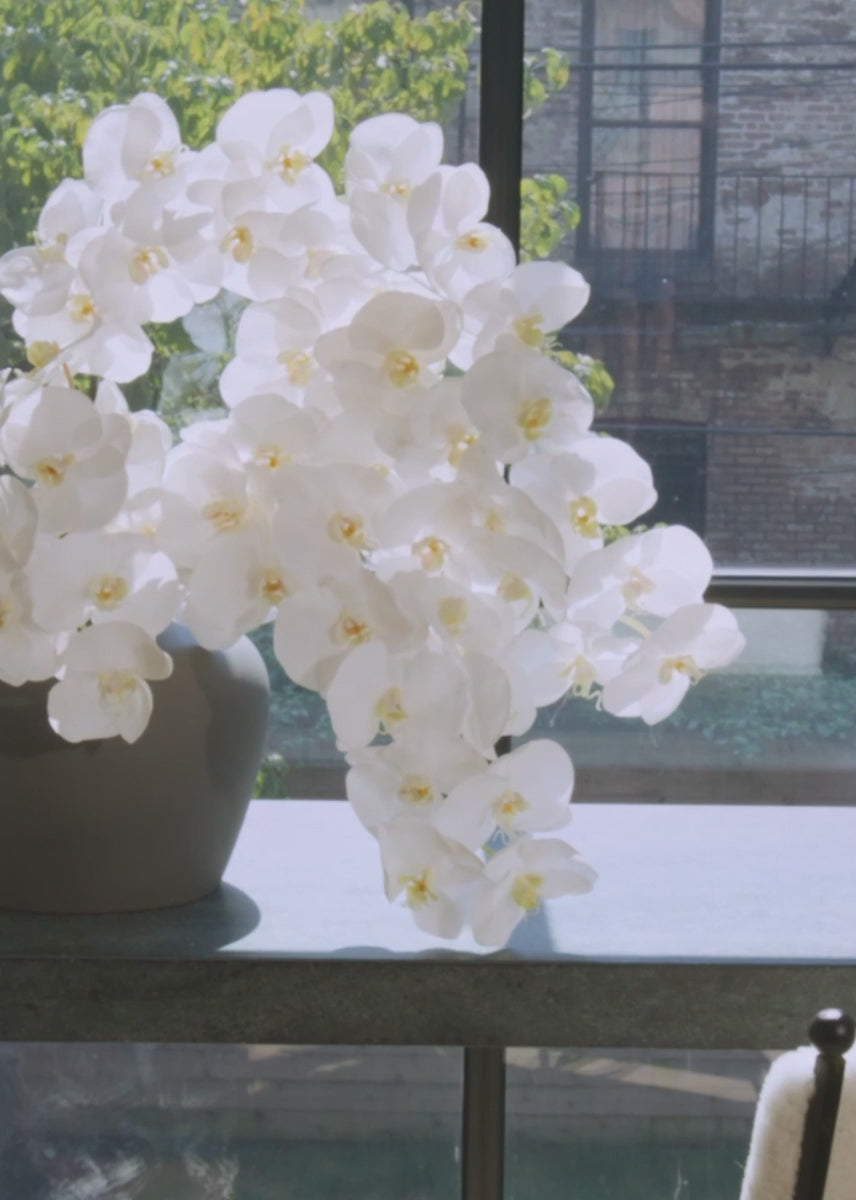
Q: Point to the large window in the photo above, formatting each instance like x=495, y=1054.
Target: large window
x=696, y=159
x=704, y=148
x=647, y=137
x=714, y=177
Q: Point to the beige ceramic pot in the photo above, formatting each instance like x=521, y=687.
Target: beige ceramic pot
x=105, y=826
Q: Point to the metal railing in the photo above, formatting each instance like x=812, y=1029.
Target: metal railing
x=746, y=235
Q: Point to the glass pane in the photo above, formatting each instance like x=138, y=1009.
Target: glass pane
x=776, y=727
x=625, y=91
x=148, y=1122
x=630, y=40
x=604, y=1124
x=721, y=261
x=786, y=237
x=644, y=191
x=665, y=23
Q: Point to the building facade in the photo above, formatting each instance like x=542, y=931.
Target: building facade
x=711, y=148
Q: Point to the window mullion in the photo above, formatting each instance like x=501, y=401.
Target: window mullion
x=501, y=111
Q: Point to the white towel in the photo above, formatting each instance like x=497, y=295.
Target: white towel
x=774, y=1153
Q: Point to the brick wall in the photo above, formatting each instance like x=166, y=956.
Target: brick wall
x=794, y=120
x=780, y=410
x=792, y=123
x=780, y=417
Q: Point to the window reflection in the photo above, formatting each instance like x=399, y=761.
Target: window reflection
x=716, y=189
x=630, y=1123
x=163, y=1122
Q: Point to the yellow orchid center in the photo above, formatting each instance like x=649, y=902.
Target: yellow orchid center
x=290, y=162
x=273, y=587
x=146, y=262
x=298, y=366
x=494, y=521
x=39, y=354
x=108, y=591
x=81, y=307
x=534, y=416
x=347, y=530
x=351, y=630
x=581, y=671
x=53, y=252
x=402, y=369
x=390, y=710
x=398, y=189
x=507, y=806
x=160, y=165
x=636, y=585
x=51, y=470
x=515, y=590
x=239, y=243
x=453, y=612
x=526, y=891
x=530, y=330
x=416, y=789
x=225, y=515
x=431, y=552
x=114, y=687
x=459, y=441
x=419, y=889
x=583, y=517
x=271, y=456
x=684, y=664
x=474, y=240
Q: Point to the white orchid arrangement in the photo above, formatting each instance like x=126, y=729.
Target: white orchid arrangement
x=406, y=483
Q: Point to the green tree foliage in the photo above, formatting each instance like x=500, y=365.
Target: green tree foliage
x=547, y=216
x=64, y=61
x=544, y=75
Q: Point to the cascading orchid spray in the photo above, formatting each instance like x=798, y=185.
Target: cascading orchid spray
x=405, y=482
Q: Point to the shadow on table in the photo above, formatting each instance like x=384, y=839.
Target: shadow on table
x=531, y=939
x=187, y=930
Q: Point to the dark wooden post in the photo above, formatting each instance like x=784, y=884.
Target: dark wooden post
x=832, y=1033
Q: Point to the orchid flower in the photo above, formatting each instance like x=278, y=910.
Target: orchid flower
x=131, y=147
x=27, y=652
x=374, y=691
x=598, y=481
x=408, y=778
x=387, y=158
x=525, y=791
x=98, y=576
x=455, y=246
x=654, y=572
x=519, y=878
x=395, y=347
x=521, y=401
x=74, y=456
x=18, y=520
x=103, y=689
x=654, y=680
x=432, y=873
x=404, y=482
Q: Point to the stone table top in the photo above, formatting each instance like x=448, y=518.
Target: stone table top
x=710, y=926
